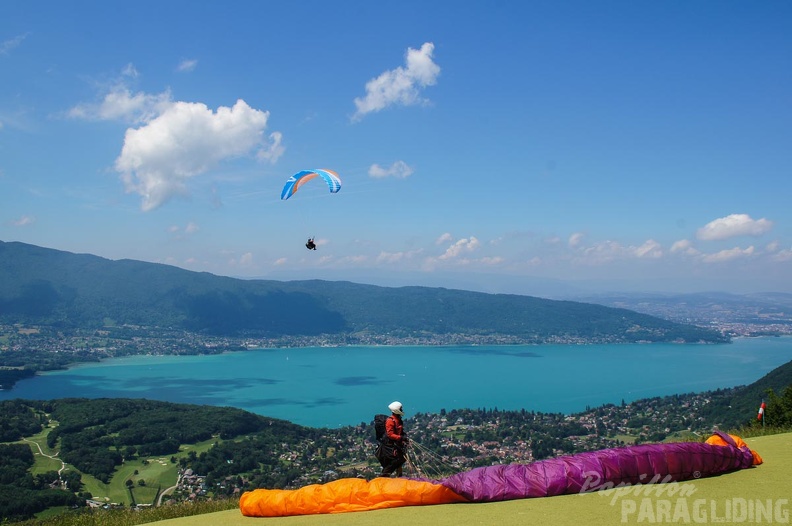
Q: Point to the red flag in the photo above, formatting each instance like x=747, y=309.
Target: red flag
x=761, y=411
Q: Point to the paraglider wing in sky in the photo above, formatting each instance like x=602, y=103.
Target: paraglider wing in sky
x=300, y=178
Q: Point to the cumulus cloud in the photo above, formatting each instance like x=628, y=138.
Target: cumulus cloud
x=732, y=226
x=728, y=255
x=186, y=65
x=401, y=85
x=186, y=140
x=6, y=46
x=460, y=247
x=399, y=169
x=175, y=141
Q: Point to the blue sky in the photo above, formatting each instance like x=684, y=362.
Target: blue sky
x=528, y=147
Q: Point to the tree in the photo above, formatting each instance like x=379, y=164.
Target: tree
x=779, y=408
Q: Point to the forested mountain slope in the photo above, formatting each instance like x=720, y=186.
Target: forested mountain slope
x=50, y=287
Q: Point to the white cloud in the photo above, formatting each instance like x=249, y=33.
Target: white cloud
x=444, y=238
x=575, y=239
x=399, y=169
x=684, y=246
x=280, y=262
x=651, y=249
x=602, y=253
x=121, y=104
x=460, y=247
x=191, y=228
x=401, y=85
x=177, y=140
x=732, y=226
x=184, y=141
x=728, y=255
x=186, y=65
x=273, y=150
x=24, y=221
x=6, y=46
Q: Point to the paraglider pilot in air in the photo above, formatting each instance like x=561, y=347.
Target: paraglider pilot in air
x=392, y=455
x=310, y=245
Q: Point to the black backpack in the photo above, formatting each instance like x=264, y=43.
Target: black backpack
x=379, y=426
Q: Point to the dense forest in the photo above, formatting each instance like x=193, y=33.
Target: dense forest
x=45, y=287
x=22, y=494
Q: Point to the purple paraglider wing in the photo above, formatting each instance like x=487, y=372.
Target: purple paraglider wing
x=599, y=470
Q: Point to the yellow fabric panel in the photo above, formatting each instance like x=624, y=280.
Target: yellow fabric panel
x=344, y=495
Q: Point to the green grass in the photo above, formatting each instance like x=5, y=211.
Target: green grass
x=158, y=474
x=768, y=481
x=42, y=463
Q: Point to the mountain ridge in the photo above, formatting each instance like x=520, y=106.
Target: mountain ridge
x=58, y=288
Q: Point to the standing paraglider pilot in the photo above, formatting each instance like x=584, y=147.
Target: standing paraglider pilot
x=310, y=245
x=391, y=455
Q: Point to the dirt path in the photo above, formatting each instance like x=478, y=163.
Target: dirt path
x=54, y=457
x=168, y=490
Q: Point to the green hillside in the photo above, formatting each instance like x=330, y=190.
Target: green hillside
x=40, y=286
x=743, y=405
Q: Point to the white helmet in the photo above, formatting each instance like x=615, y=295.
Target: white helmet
x=396, y=408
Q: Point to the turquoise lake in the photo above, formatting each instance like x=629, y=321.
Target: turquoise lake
x=336, y=386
